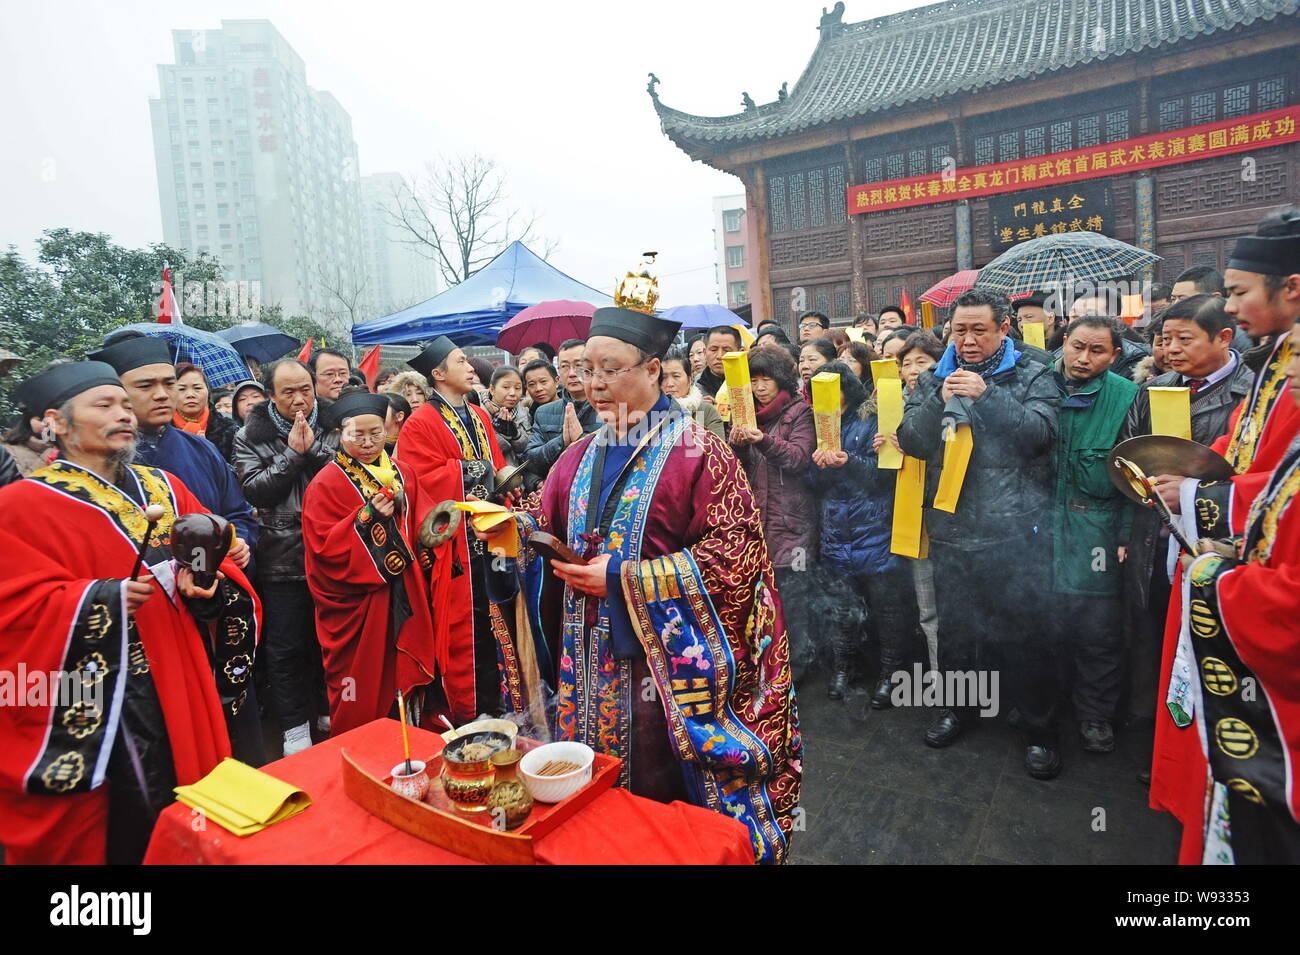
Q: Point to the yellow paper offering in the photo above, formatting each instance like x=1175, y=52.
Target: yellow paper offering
x=927, y=315
x=855, y=334
x=889, y=415
x=740, y=396
x=242, y=799
x=957, y=447
x=883, y=368
x=908, y=537
x=826, y=410
x=1171, y=412
x=1033, y=333
x=1132, y=309
x=486, y=515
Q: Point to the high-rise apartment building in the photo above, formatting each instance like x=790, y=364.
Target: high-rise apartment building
x=260, y=169
x=398, y=273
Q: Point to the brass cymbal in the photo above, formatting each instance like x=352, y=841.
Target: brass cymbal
x=1155, y=454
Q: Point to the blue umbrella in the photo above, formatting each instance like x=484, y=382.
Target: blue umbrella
x=261, y=342
x=702, y=316
x=219, y=361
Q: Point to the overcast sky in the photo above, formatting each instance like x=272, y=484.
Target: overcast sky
x=553, y=91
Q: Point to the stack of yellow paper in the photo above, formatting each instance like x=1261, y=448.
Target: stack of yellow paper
x=826, y=410
x=883, y=368
x=1171, y=411
x=1033, y=334
x=927, y=315
x=889, y=415
x=741, y=397
x=242, y=799
x=485, y=515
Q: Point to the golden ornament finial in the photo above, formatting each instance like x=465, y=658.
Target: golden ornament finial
x=638, y=291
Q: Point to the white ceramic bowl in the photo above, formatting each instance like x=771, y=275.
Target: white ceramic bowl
x=496, y=726
x=556, y=788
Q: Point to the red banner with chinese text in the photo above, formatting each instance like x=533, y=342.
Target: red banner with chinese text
x=1222, y=138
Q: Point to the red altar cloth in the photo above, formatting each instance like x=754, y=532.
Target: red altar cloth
x=617, y=828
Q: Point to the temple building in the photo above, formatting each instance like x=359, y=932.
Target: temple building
x=928, y=141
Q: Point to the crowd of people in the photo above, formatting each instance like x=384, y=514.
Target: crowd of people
x=657, y=540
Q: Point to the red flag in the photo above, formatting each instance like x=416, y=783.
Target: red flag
x=906, y=306
x=169, y=310
x=370, y=367
x=305, y=354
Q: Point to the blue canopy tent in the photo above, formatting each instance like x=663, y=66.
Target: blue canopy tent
x=473, y=312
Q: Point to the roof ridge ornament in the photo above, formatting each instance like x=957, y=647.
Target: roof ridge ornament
x=783, y=93
x=650, y=87
x=747, y=101
x=832, y=23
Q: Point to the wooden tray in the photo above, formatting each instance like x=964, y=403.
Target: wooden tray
x=470, y=834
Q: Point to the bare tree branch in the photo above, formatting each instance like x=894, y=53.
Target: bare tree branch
x=459, y=214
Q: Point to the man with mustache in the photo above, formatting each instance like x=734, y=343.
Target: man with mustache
x=138, y=706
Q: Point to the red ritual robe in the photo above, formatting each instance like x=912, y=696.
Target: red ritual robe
x=1258, y=436
x=372, y=603
x=68, y=540
x=449, y=461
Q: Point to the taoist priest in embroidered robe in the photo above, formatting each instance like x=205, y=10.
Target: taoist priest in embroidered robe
x=450, y=449
x=372, y=604
x=84, y=774
x=1245, y=601
x=671, y=652
x=1263, y=283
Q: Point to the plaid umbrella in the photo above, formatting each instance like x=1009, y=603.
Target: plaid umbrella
x=1055, y=260
x=219, y=361
x=944, y=292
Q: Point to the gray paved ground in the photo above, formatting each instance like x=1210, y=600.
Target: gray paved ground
x=874, y=793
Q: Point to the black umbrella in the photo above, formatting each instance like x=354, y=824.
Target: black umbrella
x=261, y=342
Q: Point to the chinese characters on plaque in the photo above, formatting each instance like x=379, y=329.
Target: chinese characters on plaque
x=1080, y=207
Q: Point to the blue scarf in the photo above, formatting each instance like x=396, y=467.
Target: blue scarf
x=1002, y=359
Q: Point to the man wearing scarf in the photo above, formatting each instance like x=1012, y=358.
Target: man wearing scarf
x=129, y=682
x=372, y=604
x=669, y=645
x=278, y=451
x=450, y=449
x=1263, y=283
x=985, y=417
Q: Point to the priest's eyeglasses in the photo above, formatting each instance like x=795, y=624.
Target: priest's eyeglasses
x=605, y=375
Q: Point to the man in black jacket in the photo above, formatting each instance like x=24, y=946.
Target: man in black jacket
x=558, y=424
x=1198, y=337
x=988, y=535
x=278, y=451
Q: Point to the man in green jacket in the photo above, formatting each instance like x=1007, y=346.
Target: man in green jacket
x=1087, y=520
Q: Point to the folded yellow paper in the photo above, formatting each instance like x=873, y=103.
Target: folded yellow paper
x=889, y=415
x=736, y=369
x=825, y=388
x=956, y=456
x=855, y=334
x=883, y=368
x=909, y=537
x=1033, y=333
x=1171, y=411
x=242, y=799
x=485, y=515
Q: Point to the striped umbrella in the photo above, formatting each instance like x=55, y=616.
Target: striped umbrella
x=944, y=292
x=1055, y=260
x=219, y=361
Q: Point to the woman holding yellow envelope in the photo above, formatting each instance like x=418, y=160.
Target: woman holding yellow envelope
x=856, y=502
